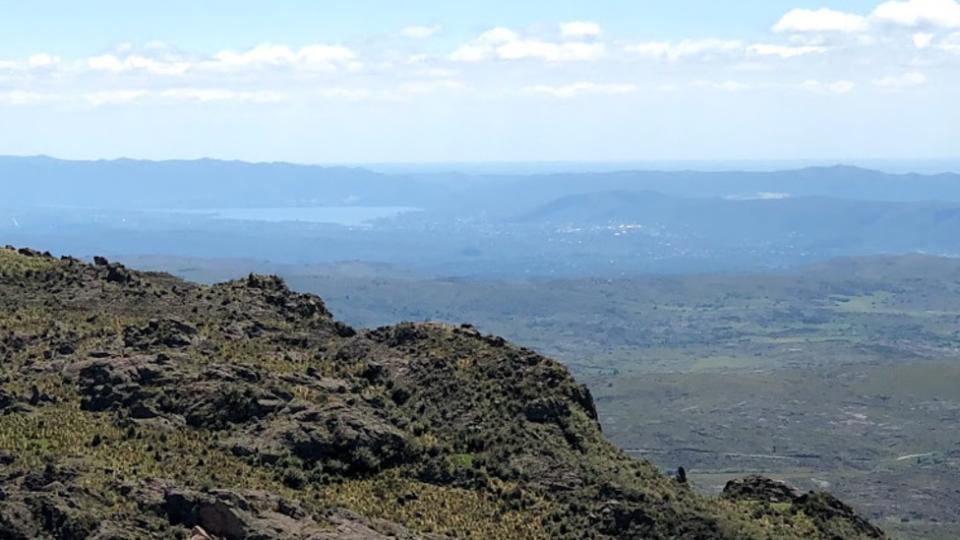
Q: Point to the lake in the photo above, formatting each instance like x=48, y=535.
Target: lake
x=353, y=216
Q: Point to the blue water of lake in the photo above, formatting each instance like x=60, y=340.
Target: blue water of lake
x=352, y=216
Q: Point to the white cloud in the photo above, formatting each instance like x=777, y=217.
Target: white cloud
x=653, y=49
x=34, y=61
x=505, y=44
x=785, y=51
x=580, y=88
x=914, y=13
x=907, y=13
x=430, y=87
x=820, y=20
x=107, y=62
x=580, y=29
x=420, y=32
x=705, y=46
x=42, y=60
x=470, y=53
x=835, y=87
x=498, y=35
x=951, y=43
x=864, y=47
x=399, y=93
x=725, y=86
x=263, y=54
x=899, y=82
x=181, y=95
x=348, y=94
x=325, y=55
x=551, y=52
x=112, y=63
x=22, y=97
x=267, y=54
x=922, y=40
x=484, y=46
x=426, y=65
x=841, y=87
x=686, y=48
x=423, y=67
x=205, y=95
x=114, y=96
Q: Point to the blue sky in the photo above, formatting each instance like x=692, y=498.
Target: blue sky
x=376, y=81
x=80, y=27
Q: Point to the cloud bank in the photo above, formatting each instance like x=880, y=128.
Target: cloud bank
x=901, y=45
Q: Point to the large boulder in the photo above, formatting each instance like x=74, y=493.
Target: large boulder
x=759, y=488
x=239, y=514
x=109, y=383
x=358, y=441
x=156, y=333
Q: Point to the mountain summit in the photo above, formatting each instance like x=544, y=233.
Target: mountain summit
x=136, y=405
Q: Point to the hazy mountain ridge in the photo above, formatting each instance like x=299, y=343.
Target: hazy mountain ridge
x=133, y=184
x=569, y=225
x=802, y=221
x=184, y=184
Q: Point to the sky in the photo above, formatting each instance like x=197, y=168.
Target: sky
x=367, y=81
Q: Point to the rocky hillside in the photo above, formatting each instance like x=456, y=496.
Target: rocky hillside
x=135, y=405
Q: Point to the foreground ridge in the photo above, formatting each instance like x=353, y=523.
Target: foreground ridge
x=137, y=405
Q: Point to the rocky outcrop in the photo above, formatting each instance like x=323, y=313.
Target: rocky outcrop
x=759, y=488
x=829, y=513
x=239, y=515
x=835, y=517
x=223, y=514
x=360, y=443
x=157, y=333
x=109, y=383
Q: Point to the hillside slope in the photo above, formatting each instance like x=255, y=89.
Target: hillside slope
x=810, y=222
x=136, y=405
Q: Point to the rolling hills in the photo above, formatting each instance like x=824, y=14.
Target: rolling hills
x=504, y=226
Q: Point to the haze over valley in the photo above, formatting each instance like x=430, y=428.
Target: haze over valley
x=504, y=226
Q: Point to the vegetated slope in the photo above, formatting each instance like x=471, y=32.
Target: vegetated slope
x=136, y=405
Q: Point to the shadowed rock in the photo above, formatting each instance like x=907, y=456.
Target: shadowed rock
x=160, y=333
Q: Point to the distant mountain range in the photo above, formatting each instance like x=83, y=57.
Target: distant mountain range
x=127, y=184
x=570, y=224
x=203, y=183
